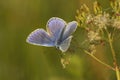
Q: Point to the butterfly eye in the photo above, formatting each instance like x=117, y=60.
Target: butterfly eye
x=57, y=47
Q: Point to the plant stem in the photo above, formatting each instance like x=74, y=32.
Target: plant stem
x=117, y=73
x=110, y=40
x=98, y=60
x=114, y=57
x=112, y=50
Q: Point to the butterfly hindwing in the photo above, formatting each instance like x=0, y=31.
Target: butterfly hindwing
x=65, y=44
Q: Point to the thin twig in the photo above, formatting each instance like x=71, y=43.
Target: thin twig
x=110, y=39
x=98, y=60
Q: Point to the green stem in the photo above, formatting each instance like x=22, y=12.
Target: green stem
x=114, y=59
x=98, y=60
x=110, y=39
x=112, y=50
x=117, y=73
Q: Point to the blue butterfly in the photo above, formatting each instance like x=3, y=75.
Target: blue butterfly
x=58, y=34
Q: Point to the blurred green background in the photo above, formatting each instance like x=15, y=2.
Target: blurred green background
x=22, y=61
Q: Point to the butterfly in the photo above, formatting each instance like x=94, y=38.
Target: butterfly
x=58, y=34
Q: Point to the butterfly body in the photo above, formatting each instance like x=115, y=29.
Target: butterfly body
x=58, y=34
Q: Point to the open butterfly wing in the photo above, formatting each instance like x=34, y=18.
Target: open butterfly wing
x=69, y=29
x=55, y=27
x=65, y=44
x=40, y=37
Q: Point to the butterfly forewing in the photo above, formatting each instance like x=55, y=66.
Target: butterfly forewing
x=40, y=37
x=55, y=26
x=69, y=29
